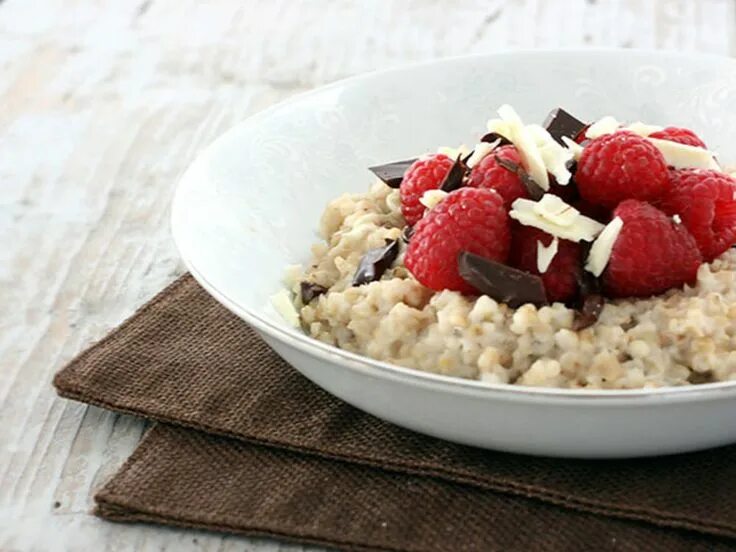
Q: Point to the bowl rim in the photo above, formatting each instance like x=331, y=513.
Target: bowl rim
x=376, y=368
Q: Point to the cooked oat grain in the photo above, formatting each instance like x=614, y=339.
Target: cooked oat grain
x=681, y=337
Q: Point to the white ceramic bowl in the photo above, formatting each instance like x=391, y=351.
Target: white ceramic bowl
x=249, y=205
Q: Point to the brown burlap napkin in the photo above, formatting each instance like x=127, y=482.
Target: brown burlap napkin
x=184, y=477
x=300, y=464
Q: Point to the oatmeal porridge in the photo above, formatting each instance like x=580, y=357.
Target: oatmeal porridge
x=538, y=258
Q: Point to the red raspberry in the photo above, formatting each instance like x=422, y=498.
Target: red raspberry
x=469, y=219
x=679, y=135
x=704, y=200
x=621, y=166
x=651, y=254
x=561, y=278
x=491, y=175
x=426, y=173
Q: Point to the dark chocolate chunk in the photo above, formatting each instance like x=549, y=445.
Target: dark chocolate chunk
x=454, y=178
x=535, y=191
x=310, y=290
x=508, y=164
x=375, y=262
x=588, y=313
x=501, y=282
x=392, y=173
x=493, y=136
x=589, y=301
x=560, y=123
x=698, y=377
x=407, y=233
x=588, y=284
x=568, y=192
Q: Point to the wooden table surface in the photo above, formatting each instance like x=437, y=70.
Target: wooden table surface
x=103, y=104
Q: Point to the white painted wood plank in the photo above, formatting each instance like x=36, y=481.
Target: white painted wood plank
x=104, y=103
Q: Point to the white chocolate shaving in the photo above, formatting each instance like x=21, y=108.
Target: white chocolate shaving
x=555, y=217
x=576, y=150
x=600, y=251
x=609, y=125
x=642, y=129
x=555, y=210
x=500, y=127
x=281, y=301
x=540, y=152
x=545, y=254
x=682, y=156
x=512, y=128
x=480, y=152
x=431, y=198
x=606, y=125
x=292, y=275
x=556, y=157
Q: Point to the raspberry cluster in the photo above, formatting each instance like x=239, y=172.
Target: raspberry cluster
x=669, y=207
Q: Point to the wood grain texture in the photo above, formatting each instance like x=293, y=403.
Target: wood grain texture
x=104, y=103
